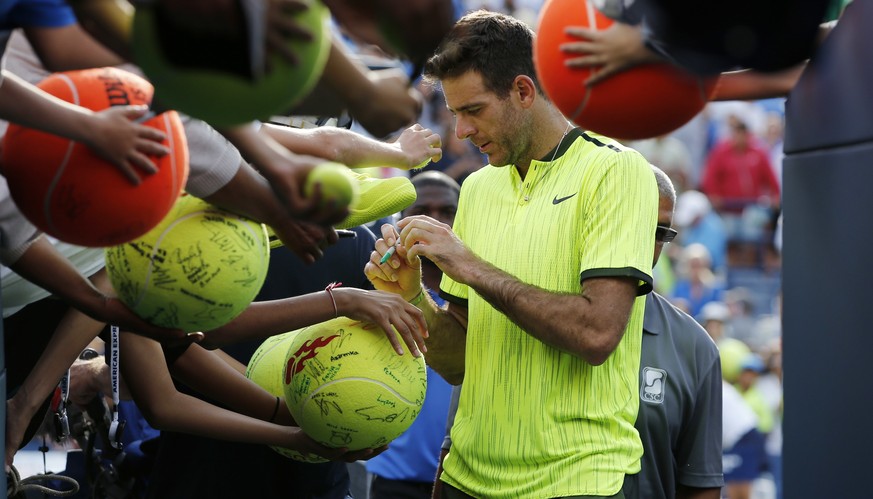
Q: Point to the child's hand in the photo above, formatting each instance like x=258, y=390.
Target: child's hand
x=611, y=51
x=129, y=146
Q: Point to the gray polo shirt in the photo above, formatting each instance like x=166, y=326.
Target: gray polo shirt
x=680, y=403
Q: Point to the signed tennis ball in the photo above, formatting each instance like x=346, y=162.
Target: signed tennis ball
x=196, y=270
x=347, y=387
x=265, y=368
x=338, y=185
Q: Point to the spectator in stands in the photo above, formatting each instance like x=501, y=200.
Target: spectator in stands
x=698, y=223
x=697, y=284
x=740, y=183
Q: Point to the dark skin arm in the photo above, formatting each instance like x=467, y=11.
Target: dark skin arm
x=165, y=408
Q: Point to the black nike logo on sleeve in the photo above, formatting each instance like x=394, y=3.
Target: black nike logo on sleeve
x=561, y=200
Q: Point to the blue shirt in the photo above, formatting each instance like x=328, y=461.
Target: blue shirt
x=35, y=13
x=32, y=13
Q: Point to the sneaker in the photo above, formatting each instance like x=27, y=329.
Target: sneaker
x=378, y=198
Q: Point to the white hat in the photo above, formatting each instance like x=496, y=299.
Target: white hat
x=715, y=311
x=690, y=205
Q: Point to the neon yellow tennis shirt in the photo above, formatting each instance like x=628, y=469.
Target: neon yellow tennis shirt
x=534, y=422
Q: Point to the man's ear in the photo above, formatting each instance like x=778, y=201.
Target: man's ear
x=525, y=89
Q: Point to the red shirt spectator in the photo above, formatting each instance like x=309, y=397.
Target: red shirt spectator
x=738, y=172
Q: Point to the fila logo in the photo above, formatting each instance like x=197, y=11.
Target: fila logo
x=652, y=387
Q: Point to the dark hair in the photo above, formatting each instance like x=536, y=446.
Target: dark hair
x=497, y=46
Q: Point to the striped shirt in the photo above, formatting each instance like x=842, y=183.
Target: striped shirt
x=533, y=421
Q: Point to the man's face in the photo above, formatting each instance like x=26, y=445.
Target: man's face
x=500, y=128
x=665, y=219
x=437, y=202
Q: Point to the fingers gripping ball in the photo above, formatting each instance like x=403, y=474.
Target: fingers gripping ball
x=266, y=369
x=222, y=98
x=641, y=102
x=347, y=387
x=68, y=191
x=338, y=185
x=196, y=270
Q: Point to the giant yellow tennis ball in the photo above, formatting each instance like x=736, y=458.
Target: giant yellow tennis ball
x=200, y=267
x=266, y=369
x=347, y=387
x=222, y=98
x=338, y=184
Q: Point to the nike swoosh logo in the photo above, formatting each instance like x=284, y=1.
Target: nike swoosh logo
x=561, y=200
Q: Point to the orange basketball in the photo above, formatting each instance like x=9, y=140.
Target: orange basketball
x=642, y=102
x=68, y=191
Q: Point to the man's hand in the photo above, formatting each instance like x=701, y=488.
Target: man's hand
x=282, y=28
x=398, y=275
x=424, y=236
x=287, y=176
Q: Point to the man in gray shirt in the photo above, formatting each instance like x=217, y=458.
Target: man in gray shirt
x=680, y=392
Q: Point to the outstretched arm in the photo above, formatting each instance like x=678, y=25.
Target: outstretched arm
x=412, y=149
x=44, y=266
x=267, y=318
x=111, y=133
x=149, y=381
x=382, y=101
x=752, y=85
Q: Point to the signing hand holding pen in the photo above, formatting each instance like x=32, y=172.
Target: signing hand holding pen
x=419, y=236
x=393, y=273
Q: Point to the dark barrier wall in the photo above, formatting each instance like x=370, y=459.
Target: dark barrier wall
x=828, y=251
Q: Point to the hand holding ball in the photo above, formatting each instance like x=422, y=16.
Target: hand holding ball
x=641, y=102
x=71, y=193
x=346, y=386
x=338, y=186
x=265, y=368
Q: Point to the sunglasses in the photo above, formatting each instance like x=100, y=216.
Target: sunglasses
x=665, y=234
